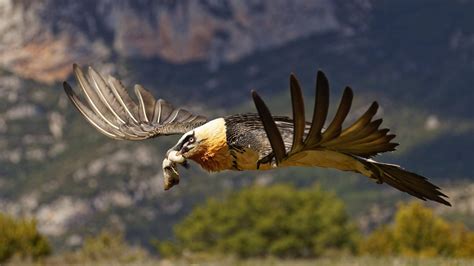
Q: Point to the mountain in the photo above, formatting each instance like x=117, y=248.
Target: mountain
x=415, y=58
x=47, y=36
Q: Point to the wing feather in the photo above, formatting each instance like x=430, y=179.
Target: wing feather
x=113, y=112
x=121, y=95
x=92, y=97
x=335, y=127
x=344, y=149
x=107, y=96
x=146, y=102
x=362, y=121
x=90, y=116
x=273, y=134
x=299, y=122
x=321, y=106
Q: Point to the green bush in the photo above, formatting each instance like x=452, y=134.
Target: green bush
x=267, y=221
x=107, y=246
x=380, y=243
x=418, y=232
x=20, y=238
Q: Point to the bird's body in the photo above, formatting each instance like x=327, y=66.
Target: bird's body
x=257, y=141
x=246, y=143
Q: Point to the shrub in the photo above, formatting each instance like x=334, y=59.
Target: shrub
x=380, y=243
x=418, y=232
x=20, y=238
x=261, y=221
x=108, y=247
x=463, y=241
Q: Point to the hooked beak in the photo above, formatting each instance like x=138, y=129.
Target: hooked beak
x=175, y=156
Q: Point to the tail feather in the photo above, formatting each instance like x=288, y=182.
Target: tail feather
x=411, y=183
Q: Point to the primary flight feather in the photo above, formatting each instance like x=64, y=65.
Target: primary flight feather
x=257, y=141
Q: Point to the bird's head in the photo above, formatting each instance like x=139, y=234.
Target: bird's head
x=178, y=155
x=186, y=148
x=206, y=145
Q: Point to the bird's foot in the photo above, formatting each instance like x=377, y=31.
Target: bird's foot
x=265, y=160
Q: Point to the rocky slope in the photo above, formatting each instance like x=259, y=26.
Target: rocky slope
x=40, y=39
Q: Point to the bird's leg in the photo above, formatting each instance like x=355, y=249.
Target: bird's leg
x=266, y=159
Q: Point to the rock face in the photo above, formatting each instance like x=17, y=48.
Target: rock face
x=40, y=39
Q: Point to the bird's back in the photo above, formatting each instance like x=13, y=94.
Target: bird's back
x=245, y=133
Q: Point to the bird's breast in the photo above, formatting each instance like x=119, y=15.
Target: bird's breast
x=212, y=153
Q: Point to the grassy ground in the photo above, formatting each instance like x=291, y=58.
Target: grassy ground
x=341, y=261
x=349, y=261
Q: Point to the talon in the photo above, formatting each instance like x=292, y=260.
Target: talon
x=185, y=164
x=267, y=159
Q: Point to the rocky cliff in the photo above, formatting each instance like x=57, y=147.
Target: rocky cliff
x=40, y=39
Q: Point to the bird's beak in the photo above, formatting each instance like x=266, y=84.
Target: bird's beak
x=175, y=156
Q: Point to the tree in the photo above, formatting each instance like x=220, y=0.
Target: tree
x=380, y=243
x=418, y=232
x=20, y=238
x=260, y=221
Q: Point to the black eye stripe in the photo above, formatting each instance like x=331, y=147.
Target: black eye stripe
x=186, y=139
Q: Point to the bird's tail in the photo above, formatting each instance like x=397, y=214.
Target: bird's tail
x=411, y=183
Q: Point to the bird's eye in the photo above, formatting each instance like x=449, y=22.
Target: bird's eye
x=191, y=139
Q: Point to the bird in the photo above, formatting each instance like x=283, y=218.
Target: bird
x=250, y=141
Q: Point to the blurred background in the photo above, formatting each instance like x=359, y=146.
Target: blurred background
x=416, y=58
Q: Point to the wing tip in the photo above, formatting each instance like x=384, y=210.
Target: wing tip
x=349, y=91
x=320, y=75
x=374, y=106
x=441, y=198
x=66, y=86
x=92, y=71
x=254, y=94
x=69, y=91
x=293, y=77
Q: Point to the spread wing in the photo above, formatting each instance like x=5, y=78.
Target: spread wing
x=111, y=110
x=363, y=138
x=347, y=149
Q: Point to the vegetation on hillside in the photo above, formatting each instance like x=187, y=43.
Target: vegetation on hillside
x=20, y=238
x=260, y=223
x=106, y=247
x=267, y=221
x=280, y=221
x=418, y=232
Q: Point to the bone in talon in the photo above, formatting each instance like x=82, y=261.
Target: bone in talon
x=170, y=174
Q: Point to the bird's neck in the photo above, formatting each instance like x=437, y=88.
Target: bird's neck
x=213, y=153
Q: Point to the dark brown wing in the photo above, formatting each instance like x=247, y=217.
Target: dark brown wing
x=353, y=145
x=111, y=110
x=363, y=138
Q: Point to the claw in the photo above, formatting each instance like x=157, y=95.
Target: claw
x=267, y=159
